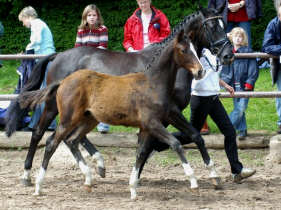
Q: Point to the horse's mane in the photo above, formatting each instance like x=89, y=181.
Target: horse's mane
x=158, y=47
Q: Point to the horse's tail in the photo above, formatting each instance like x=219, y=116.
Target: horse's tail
x=28, y=100
x=15, y=114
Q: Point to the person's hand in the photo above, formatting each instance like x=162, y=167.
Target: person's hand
x=229, y=89
x=234, y=7
x=130, y=49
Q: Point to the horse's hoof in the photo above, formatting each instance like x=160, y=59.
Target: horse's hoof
x=37, y=194
x=88, y=188
x=195, y=191
x=101, y=172
x=26, y=182
x=216, y=181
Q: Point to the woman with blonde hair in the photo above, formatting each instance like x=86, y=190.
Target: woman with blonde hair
x=241, y=75
x=41, y=42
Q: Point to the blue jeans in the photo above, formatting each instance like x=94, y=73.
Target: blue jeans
x=237, y=116
x=278, y=100
x=39, y=108
x=245, y=25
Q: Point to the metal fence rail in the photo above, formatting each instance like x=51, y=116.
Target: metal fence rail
x=249, y=94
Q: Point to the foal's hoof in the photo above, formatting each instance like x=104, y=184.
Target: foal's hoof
x=88, y=188
x=101, y=172
x=26, y=182
x=195, y=191
x=216, y=181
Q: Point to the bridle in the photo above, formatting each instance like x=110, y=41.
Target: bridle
x=216, y=47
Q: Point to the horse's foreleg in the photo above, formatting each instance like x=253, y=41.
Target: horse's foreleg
x=189, y=134
x=158, y=130
x=95, y=155
x=144, y=149
x=45, y=119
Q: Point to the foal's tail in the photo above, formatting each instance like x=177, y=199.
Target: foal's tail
x=15, y=114
x=28, y=100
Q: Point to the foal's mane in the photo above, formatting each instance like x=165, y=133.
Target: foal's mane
x=159, y=47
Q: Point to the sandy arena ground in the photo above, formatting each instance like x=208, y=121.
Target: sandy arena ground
x=163, y=183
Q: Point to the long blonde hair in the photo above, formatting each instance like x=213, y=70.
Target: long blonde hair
x=241, y=31
x=89, y=8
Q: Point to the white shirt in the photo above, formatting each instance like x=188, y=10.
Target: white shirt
x=145, y=24
x=209, y=84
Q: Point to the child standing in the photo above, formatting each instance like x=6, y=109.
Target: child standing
x=241, y=75
x=91, y=32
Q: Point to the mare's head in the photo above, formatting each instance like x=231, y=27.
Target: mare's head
x=186, y=56
x=207, y=30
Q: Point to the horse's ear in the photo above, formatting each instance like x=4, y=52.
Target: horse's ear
x=221, y=8
x=180, y=36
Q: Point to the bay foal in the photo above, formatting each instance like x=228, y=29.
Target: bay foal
x=142, y=100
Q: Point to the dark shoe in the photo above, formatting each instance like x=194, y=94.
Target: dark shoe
x=242, y=135
x=51, y=129
x=1, y=65
x=245, y=173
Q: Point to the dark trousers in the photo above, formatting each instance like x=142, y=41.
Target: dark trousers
x=201, y=107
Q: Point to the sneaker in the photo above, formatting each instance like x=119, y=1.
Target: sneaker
x=245, y=173
x=242, y=135
x=1, y=65
x=103, y=128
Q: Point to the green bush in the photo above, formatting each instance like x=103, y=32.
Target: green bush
x=64, y=18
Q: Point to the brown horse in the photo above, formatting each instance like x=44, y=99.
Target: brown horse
x=142, y=100
x=205, y=31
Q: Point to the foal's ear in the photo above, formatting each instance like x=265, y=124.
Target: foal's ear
x=180, y=36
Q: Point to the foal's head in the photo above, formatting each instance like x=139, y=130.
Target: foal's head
x=186, y=56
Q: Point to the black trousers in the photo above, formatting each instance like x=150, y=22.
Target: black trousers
x=201, y=107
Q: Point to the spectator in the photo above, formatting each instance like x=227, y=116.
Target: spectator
x=147, y=25
x=41, y=42
x=272, y=45
x=91, y=32
x=241, y=75
x=1, y=34
x=239, y=13
x=205, y=101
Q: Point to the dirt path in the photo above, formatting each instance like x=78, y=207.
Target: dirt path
x=163, y=184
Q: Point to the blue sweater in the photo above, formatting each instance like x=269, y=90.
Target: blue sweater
x=241, y=71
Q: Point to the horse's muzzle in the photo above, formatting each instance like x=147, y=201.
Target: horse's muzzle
x=200, y=74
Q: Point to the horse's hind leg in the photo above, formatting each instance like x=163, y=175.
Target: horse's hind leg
x=143, y=151
x=45, y=119
x=157, y=130
x=189, y=133
x=95, y=155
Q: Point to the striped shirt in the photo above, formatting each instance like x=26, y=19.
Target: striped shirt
x=97, y=37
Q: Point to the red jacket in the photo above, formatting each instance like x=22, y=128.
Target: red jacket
x=159, y=28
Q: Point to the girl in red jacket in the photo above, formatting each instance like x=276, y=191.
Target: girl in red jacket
x=147, y=25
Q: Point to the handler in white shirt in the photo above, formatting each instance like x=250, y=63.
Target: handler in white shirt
x=205, y=101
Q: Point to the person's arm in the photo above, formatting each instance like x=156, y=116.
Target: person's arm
x=253, y=74
x=269, y=45
x=227, y=87
x=165, y=28
x=128, y=38
x=78, y=41
x=35, y=37
x=103, y=38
